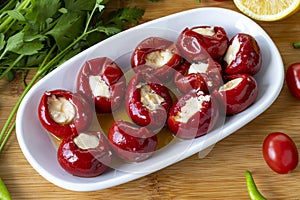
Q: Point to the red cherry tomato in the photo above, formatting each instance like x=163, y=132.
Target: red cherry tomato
x=280, y=152
x=293, y=79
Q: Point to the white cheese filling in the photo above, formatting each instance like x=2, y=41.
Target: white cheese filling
x=232, y=51
x=157, y=59
x=86, y=141
x=209, y=31
x=191, y=107
x=99, y=87
x=230, y=84
x=198, y=68
x=149, y=98
x=61, y=110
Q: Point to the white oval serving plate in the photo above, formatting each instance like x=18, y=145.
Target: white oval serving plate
x=38, y=146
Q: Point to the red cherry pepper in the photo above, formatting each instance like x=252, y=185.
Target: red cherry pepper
x=86, y=154
x=193, y=115
x=238, y=92
x=195, y=45
x=187, y=82
x=293, y=79
x=147, y=101
x=61, y=112
x=157, y=56
x=243, y=55
x=198, y=76
x=130, y=142
x=102, y=82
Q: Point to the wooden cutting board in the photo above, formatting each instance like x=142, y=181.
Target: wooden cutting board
x=219, y=175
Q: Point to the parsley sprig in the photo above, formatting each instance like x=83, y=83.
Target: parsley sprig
x=40, y=35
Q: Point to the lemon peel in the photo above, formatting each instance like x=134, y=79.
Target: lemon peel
x=268, y=10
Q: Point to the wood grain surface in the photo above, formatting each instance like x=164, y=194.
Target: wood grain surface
x=220, y=175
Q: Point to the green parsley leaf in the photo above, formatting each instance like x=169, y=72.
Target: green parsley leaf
x=68, y=27
x=10, y=75
x=123, y=16
x=108, y=30
x=29, y=48
x=41, y=10
x=15, y=14
x=17, y=45
x=14, y=42
x=79, y=5
x=36, y=59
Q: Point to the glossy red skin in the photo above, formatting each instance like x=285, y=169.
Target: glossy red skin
x=152, y=44
x=198, y=81
x=84, y=162
x=130, y=142
x=280, y=152
x=113, y=76
x=81, y=121
x=293, y=79
x=198, y=47
x=138, y=112
x=199, y=124
x=248, y=59
x=240, y=97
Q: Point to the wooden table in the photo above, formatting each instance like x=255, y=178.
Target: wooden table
x=220, y=175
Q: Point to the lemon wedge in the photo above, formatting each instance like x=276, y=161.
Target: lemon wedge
x=268, y=10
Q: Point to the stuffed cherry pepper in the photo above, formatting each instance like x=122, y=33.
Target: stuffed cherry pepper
x=243, y=55
x=61, y=112
x=130, y=142
x=147, y=101
x=238, y=93
x=204, y=76
x=102, y=82
x=193, y=115
x=156, y=55
x=86, y=154
x=202, y=42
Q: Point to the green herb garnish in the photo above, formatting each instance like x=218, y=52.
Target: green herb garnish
x=40, y=35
